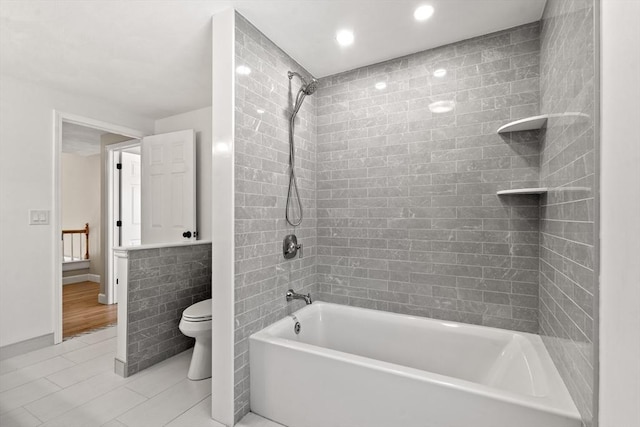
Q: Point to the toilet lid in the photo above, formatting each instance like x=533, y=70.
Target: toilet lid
x=198, y=311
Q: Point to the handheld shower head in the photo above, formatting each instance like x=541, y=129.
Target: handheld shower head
x=310, y=87
x=307, y=88
x=293, y=197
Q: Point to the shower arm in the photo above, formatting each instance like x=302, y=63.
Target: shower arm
x=290, y=74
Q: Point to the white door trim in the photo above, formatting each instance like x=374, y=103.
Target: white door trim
x=110, y=296
x=58, y=118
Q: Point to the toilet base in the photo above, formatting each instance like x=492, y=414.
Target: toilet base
x=200, y=367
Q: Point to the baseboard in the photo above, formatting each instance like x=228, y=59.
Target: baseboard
x=22, y=347
x=102, y=299
x=120, y=367
x=75, y=265
x=75, y=279
x=81, y=278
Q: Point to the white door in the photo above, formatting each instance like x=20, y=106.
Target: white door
x=169, y=182
x=130, y=199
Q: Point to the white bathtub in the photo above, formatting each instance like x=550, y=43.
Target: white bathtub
x=353, y=367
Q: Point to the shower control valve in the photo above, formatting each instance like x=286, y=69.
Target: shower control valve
x=290, y=247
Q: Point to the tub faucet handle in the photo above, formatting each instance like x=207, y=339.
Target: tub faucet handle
x=290, y=247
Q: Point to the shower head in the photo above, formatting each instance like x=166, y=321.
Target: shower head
x=307, y=88
x=310, y=87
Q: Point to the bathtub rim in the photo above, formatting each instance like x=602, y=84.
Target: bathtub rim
x=557, y=401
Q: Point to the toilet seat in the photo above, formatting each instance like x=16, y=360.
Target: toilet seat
x=198, y=312
x=195, y=320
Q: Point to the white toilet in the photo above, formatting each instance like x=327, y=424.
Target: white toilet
x=196, y=323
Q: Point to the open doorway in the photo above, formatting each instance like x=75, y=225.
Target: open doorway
x=124, y=207
x=83, y=179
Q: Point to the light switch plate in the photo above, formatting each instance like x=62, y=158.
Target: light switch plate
x=38, y=217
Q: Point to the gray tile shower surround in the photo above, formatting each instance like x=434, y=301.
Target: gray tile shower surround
x=262, y=275
x=408, y=216
x=162, y=283
x=569, y=155
x=401, y=206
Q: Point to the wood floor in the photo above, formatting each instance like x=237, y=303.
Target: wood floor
x=81, y=311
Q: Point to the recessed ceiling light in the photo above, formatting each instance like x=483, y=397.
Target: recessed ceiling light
x=344, y=37
x=439, y=107
x=440, y=72
x=243, y=70
x=260, y=111
x=381, y=85
x=423, y=13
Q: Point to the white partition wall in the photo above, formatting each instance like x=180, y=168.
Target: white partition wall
x=620, y=210
x=223, y=33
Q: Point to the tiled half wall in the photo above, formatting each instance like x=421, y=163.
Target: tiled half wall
x=162, y=282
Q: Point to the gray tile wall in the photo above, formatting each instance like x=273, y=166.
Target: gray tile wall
x=162, y=283
x=408, y=217
x=262, y=275
x=568, y=265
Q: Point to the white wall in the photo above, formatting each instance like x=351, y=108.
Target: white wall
x=223, y=118
x=80, y=194
x=200, y=121
x=620, y=215
x=26, y=182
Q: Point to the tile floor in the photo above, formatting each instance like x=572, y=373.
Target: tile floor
x=73, y=384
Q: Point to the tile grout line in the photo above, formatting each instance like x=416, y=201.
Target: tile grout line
x=188, y=409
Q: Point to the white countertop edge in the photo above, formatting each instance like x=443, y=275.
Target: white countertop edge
x=162, y=245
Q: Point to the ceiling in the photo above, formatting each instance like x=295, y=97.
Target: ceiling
x=154, y=57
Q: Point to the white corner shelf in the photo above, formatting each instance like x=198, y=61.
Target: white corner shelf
x=525, y=191
x=538, y=122
x=529, y=123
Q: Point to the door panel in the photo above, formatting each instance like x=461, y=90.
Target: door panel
x=169, y=182
x=130, y=194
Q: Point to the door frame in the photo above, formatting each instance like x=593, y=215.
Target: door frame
x=111, y=176
x=60, y=117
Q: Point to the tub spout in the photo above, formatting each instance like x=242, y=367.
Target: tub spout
x=291, y=295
